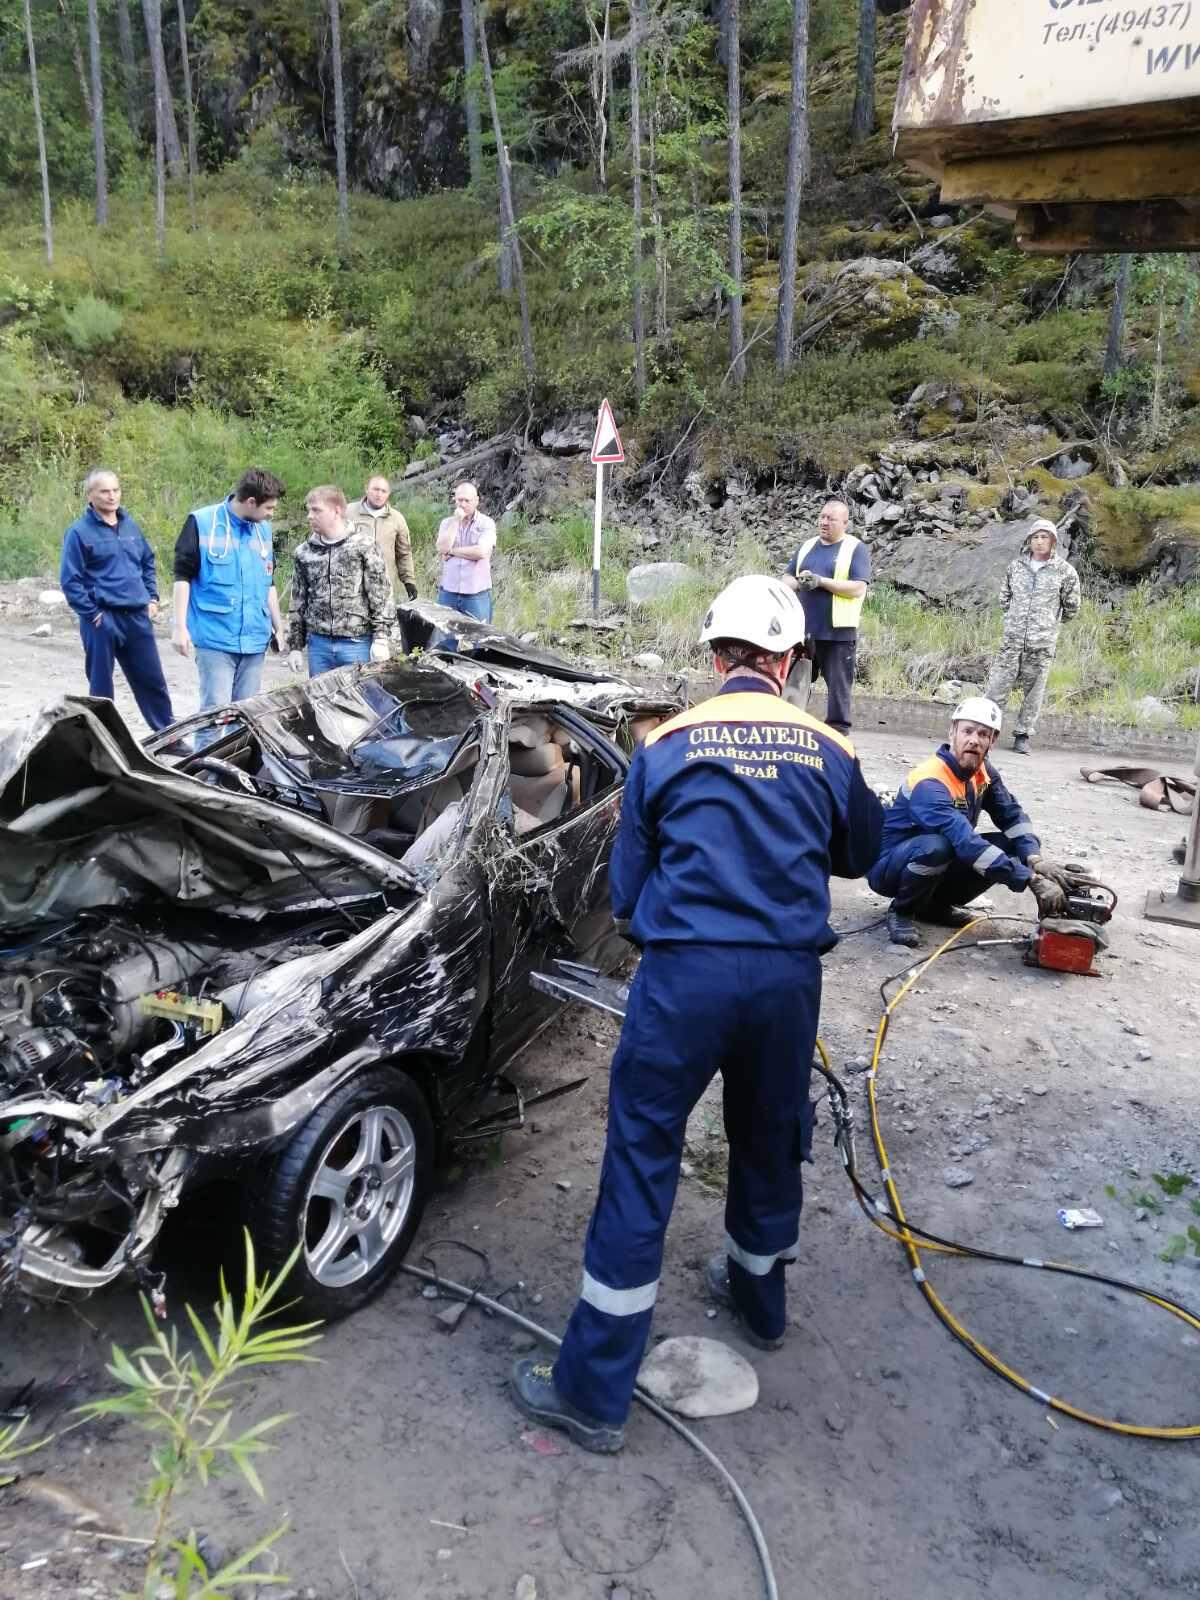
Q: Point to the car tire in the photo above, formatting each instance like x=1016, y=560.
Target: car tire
x=350, y=1189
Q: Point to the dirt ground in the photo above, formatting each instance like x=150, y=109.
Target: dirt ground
x=880, y=1459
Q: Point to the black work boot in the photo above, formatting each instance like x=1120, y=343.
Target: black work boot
x=716, y=1282
x=532, y=1384
x=950, y=916
x=901, y=928
x=1021, y=744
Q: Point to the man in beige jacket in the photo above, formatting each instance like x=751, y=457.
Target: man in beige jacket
x=376, y=516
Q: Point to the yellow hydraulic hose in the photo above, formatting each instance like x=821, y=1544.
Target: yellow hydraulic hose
x=913, y=1247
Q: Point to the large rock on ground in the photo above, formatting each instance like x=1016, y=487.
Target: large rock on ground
x=697, y=1377
x=655, y=580
x=965, y=570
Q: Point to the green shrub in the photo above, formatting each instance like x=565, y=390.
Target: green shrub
x=92, y=324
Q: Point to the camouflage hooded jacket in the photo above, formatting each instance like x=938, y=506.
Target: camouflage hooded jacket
x=341, y=590
x=1037, y=597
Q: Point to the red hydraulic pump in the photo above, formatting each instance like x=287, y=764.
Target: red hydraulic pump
x=1068, y=943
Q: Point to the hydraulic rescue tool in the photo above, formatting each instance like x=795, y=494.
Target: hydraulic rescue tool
x=1068, y=943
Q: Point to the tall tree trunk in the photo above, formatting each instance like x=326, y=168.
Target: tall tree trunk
x=862, y=119
x=656, y=222
x=635, y=145
x=1116, y=321
x=98, y=115
x=600, y=83
x=504, y=264
x=158, y=64
x=190, y=105
x=129, y=69
x=72, y=33
x=511, y=242
x=339, y=122
x=153, y=15
x=1156, y=397
x=474, y=120
x=734, y=97
x=47, y=220
x=797, y=169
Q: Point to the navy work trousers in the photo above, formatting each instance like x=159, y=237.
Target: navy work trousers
x=921, y=874
x=125, y=634
x=833, y=660
x=751, y=1014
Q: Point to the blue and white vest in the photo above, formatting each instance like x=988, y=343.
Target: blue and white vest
x=227, y=606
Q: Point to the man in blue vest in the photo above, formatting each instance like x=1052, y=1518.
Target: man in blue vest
x=226, y=608
x=108, y=577
x=831, y=572
x=734, y=815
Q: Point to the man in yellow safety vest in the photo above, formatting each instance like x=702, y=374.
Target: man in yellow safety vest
x=831, y=573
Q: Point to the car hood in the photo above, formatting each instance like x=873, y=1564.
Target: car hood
x=88, y=817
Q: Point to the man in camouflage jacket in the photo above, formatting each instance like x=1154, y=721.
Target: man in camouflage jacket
x=1039, y=593
x=341, y=604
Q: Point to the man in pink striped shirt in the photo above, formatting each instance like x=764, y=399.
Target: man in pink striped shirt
x=465, y=543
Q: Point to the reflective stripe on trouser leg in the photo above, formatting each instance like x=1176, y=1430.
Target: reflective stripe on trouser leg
x=767, y=1121
x=681, y=1011
x=910, y=870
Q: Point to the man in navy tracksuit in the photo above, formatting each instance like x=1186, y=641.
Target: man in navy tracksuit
x=734, y=815
x=107, y=575
x=934, y=859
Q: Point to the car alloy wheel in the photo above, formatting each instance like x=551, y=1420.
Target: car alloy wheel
x=349, y=1190
x=359, y=1195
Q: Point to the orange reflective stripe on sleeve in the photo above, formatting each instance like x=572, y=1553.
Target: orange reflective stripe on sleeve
x=749, y=707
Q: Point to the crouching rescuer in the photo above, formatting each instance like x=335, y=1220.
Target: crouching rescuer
x=734, y=815
x=934, y=859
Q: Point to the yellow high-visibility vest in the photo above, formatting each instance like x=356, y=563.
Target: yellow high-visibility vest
x=846, y=613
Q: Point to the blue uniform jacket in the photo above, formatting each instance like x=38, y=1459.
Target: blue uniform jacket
x=937, y=797
x=104, y=566
x=735, y=813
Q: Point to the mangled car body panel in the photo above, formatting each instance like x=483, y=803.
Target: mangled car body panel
x=206, y=938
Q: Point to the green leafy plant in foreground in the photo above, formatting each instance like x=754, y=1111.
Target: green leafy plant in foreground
x=187, y=1401
x=11, y=1447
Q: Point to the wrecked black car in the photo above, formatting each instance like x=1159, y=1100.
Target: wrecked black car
x=289, y=941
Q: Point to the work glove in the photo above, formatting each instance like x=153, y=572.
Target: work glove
x=296, y=661
x=381, y=650
x=808, y=580
x=1051, y=897
x=410, y=589
x=1045, y=868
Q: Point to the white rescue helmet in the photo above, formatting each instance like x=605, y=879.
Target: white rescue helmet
x=978, y=709
x=756, y=610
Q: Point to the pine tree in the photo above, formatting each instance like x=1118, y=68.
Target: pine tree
x=862, y=120
x=734, y=79
x=510, y=241
x=339, y=122
x=474, y=121
x=797, y=171
x=635, y=146
x=47, y=220
x=98, y=114
x=190, y=106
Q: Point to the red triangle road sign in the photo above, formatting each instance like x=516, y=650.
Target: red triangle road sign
x=607, y=449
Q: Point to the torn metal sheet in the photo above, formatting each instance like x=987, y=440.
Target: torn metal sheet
x=207, y=939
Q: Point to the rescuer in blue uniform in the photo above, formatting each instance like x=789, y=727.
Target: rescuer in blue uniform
x=734, y=815
x=934, y=859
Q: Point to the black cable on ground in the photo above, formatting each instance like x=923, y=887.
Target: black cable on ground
x=472, y=1296
x=911, y=1237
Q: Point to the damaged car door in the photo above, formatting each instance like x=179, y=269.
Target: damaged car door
x=558, y=817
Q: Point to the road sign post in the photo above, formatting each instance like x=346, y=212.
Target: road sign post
x=607, y=450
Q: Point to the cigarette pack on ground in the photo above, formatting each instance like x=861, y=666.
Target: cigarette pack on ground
x=1081, y=1218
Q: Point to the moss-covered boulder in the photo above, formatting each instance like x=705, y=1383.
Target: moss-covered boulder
x=878, y=302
